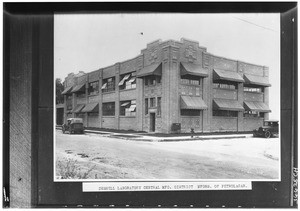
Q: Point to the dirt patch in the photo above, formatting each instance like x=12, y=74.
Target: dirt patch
x=83, y=155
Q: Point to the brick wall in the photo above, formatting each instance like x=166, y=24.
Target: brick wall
x=128, y=123
x=109, y=122
x=109, y=72
x=252, y=123
x=128, y=94
x=81, y=100
x=251, y=69
x=225, y=94
x=224, y=64
x=224, y=124
x=93, y=120
x=188, y=122
x=108, y=97
x=248, y=96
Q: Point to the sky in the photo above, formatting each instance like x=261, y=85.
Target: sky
x=87, y=42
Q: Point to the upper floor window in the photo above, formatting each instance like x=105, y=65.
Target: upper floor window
x=253, y=114
x=108, y=109
x=152, y=80
x=225, y=85
x=128, y=81
x=253, y=89
x=152, y=102
x=225, y=113
x=190, y=80
x=93, y=88
x=108, y=85
x=189, y=112
x=69, y=102
x=128, y=108
x=146, y=106
x=80, y=94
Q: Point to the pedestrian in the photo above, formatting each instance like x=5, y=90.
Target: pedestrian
x=192, y=132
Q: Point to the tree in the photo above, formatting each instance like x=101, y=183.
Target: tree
x=59, y=89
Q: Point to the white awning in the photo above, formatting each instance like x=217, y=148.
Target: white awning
x=124, y=79
x=104, y=86
x=125, y=104
x=132, y=108
x=132, y=80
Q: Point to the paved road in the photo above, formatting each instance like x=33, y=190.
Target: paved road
x=97, y=157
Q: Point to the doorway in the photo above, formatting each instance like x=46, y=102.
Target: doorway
x=152, y=122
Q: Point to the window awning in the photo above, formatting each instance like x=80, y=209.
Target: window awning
x=104, y=86
x=132, y=108
x=67, y=90
x=125, y=104
x=78, y=88
x=192, y=69
x=189, y=102
x=228, y=105
x=154, y=69
x=124, y=79
x=132, y=80
x=227, y=76
x=91, y=107
x=256, y=80
x=77, y=109
x=256, y=106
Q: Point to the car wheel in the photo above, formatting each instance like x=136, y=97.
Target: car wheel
x=267, y=134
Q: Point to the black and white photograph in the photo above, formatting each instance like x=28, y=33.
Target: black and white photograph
x=167, y=97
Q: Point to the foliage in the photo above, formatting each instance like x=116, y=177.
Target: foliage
x=69, y=169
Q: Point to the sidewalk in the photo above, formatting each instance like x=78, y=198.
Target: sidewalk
x=153, y=138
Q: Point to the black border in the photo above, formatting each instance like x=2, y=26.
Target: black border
x=45, y=193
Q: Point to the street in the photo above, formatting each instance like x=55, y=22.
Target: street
x=92, y=156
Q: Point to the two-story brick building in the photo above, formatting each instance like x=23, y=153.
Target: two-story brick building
x=171, y=82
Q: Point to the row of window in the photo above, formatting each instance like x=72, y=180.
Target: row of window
x=152, y=80
x=223, y=113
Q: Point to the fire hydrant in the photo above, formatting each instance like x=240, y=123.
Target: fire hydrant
x=192, y=132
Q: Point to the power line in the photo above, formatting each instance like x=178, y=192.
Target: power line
x=255, y=24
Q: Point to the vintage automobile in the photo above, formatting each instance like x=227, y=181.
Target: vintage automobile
x=269, y=129
x=73, y=125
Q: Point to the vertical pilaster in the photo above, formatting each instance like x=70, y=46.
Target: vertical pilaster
x=240, y=123
x=65, y=109
x=73, y=103
x=100, y=98
x=117, y=100
x=140, y=103
x=208, y=93
x=266, y=91
x=86, y=102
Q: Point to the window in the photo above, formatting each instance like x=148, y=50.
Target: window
x=225, y=113
x=128, y=108
x=69, y=102
x=108, y=109
x=152, y=102
x=197, y=91
x=108, y=85
x=253, y=89
x=190, y=80
x=189, y=112
x=93, y=88
x=253, y=114
x=146, y=106
x=159, y=106
x=128, y=81
x=152, y=80
x=80, y=94
x=224, y=86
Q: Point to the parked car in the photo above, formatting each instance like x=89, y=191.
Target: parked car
x=269, y=129
x=73, y=125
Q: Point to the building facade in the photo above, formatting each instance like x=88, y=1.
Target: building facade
x=171, y=86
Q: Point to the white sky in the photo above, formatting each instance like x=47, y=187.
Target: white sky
x=88, y=42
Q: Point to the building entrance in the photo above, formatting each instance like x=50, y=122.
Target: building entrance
x=152, y=122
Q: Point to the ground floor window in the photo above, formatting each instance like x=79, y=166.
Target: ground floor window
x=93, y=114
x=152, y=102
x=159, y=106
x=225, y=85
x=189, y=112
x=128, y=108
x=108, y=109
x=253, y=114
x=225, y=113
x=146, y=106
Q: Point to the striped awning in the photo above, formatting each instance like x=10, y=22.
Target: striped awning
x=78, y=88
x=227, y=105
x=256, y=106
x=190, y=102
x=192, y=69
x=78, y=108
x=91, y=107
x=154, y=69
x=227, y=76
x=67, y=90
x=256, y=80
